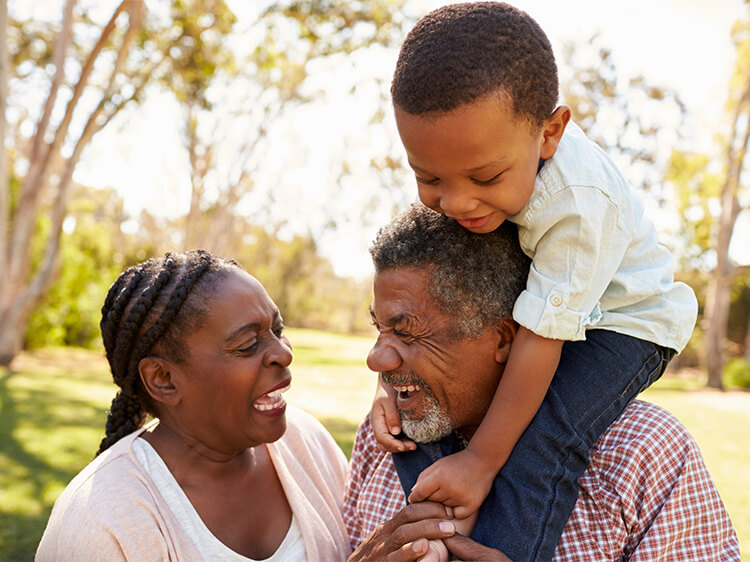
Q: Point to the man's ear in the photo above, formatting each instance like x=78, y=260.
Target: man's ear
x=158, y=380
x=506, y=331
x=553, y=130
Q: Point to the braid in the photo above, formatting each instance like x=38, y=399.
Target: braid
x=180, y=293
x=115, y=303
x=126, y=414
x=139, y=312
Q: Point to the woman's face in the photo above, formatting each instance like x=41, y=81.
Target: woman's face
x=238, y=366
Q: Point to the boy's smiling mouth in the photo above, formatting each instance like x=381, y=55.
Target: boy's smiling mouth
x=474, y=223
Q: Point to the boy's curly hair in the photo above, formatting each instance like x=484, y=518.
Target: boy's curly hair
x=462, y=52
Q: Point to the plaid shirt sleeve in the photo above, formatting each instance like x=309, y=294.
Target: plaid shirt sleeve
x=646, y=495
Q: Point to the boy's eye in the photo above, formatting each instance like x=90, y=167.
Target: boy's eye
x=489, y=181
x=426, y=181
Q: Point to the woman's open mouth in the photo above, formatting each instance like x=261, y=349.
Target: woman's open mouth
x=272, y=402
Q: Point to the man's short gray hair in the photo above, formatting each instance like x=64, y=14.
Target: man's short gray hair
x=474, y=277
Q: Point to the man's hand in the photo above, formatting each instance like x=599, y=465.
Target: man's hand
x=405, y=536
x=464, y=548
x=461, y=480
x=385, y=421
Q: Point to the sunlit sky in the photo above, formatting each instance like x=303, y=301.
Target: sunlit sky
x=682, y=44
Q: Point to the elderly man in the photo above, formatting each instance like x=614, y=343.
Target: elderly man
x=442, y=305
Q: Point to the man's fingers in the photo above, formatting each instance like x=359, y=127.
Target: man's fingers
x=410, y=551
x=465, y=548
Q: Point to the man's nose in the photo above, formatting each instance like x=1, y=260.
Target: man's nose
x=383, y=357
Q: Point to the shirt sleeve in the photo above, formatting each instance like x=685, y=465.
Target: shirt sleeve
x=364, y=451
x=577, y=242
x=647, y=495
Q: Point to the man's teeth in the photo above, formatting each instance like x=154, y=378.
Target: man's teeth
x=406, y=388
x=270, y=400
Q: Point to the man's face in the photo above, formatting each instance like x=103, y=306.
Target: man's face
x=443, y=381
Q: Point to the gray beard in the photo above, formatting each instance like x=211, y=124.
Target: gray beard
x=434, y=425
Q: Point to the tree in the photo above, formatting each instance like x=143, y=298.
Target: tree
x=93, y=71
x=225, y=135
x=635, y=121
x=718, y=298
x=52, y=154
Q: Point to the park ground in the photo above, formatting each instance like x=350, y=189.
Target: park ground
x=53, y=406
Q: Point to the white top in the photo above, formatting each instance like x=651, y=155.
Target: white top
x=291, y=549
x=597, y=262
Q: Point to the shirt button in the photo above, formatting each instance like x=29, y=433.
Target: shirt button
x=556, y=300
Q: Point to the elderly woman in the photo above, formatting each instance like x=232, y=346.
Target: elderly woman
x=225, y=471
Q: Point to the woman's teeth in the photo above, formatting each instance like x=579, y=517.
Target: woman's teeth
x=271, y=400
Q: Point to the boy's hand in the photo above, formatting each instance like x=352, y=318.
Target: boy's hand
x=461, y=480
x=385, y=421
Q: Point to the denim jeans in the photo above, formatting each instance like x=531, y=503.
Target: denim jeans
x=534, y=494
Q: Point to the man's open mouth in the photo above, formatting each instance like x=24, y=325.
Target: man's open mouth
x=406, y=395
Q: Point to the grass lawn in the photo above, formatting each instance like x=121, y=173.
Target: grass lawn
x=53, y=407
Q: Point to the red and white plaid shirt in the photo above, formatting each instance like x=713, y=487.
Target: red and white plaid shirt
x=646, y=495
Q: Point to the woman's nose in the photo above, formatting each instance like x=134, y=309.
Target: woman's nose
x=280, y=353
x=383, y=357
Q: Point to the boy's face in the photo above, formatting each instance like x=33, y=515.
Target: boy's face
x=477, y=163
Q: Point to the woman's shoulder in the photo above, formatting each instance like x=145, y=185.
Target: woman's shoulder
x=108, y=493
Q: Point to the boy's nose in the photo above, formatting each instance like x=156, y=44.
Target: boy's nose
x=455, y=203
x=383, y=357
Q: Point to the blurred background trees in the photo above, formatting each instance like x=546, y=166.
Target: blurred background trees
x=235, y=79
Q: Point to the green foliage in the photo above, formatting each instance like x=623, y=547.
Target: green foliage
x=91, y=257
x=737, y=373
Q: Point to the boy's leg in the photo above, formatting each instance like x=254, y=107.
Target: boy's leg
x=534, y=494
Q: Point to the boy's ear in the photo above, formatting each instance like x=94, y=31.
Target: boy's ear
x=506, y=331
x=553, y=130
x=158, y=380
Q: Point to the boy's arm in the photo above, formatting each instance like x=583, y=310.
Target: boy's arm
x=531, y=365
x=463, y=480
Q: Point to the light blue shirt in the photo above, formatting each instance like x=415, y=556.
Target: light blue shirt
x=596, y=259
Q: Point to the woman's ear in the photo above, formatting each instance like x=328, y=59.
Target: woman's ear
x=506, y=331
x=158, y=380
x=552, y=131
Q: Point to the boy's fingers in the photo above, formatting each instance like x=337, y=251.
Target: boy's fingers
x=462, y=512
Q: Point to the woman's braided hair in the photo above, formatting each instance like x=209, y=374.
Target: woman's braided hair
x=154, y=302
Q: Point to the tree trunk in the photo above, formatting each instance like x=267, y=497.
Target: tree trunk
x=718, y=297
x=22, y=288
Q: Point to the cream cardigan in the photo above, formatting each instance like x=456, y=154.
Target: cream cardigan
x=112, y=511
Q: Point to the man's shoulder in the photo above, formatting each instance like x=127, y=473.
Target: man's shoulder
x=643, y=426
x=644, y=451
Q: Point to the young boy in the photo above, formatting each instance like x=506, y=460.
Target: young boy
x=475, y=96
